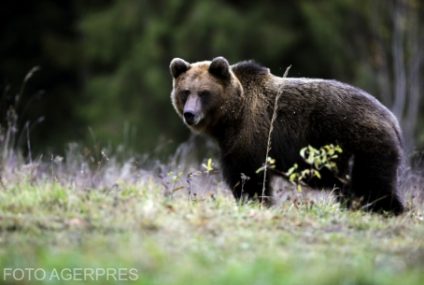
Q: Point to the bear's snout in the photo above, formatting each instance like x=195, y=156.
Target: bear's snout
x=189, y=118
x=192, y=110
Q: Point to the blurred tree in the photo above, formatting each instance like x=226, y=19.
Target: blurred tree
x=398, y=57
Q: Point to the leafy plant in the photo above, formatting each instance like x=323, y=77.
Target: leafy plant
x=208, y=167
x=317, y=159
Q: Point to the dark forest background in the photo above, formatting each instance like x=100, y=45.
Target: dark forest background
x=100, y=68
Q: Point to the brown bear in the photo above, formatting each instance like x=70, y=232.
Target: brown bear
x=234, y=105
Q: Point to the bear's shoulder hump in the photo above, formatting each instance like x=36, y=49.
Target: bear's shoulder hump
x=250, y=68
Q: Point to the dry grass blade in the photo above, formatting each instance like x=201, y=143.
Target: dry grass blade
x=271, y=128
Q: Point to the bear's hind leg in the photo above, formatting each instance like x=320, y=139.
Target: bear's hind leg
x=374, y=182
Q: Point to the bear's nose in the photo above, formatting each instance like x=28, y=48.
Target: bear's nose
x=189, y=117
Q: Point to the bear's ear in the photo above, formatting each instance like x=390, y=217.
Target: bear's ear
x=220, y=68
x=178, y=66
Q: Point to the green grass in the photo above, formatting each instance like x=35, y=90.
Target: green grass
x=211, y=240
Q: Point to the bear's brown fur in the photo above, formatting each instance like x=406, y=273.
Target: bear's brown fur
x=234, y=105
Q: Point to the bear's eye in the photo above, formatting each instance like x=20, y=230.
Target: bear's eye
x=184, y=94
x=204, y=94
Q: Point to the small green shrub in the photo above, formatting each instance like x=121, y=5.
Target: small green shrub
x=317, y=159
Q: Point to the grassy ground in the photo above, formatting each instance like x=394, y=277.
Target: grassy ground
x=53, y=223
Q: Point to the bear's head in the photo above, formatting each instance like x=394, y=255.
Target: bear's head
x=205, y=93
